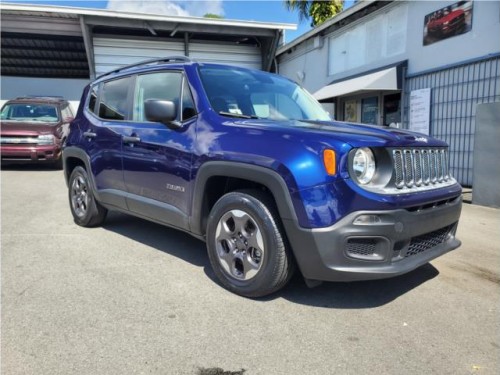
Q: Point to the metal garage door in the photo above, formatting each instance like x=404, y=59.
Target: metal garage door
x=110, y=53
x=231, y=54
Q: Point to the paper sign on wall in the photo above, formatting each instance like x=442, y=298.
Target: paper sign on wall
x=420, y=110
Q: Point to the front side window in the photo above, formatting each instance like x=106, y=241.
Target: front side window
x=113, y=100
x=246, y=93
x=26, y=112
x=160, y=86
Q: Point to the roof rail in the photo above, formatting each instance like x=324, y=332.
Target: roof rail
x=40, y=97
x=170, y=59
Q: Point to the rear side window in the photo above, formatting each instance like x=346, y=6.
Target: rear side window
x=92, y=99
x=162, y=86
x=113, y=100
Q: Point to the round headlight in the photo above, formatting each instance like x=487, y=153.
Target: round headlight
x=363, y=165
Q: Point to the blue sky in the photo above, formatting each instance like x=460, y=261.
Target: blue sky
x=259, y=10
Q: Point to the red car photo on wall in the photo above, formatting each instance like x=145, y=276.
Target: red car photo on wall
x=455, y=19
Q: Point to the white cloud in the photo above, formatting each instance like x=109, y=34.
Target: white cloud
x=196, y=8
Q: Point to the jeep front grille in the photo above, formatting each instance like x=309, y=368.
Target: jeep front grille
x=418, y=167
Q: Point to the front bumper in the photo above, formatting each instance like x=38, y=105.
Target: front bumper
x=32, y=153
x=397, y=242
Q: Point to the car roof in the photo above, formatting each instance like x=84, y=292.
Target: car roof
x=39, y=99
x=173, y=62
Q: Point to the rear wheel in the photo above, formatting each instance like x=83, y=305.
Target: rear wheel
x=246, y=245
x=58, y=164
x=86, y=211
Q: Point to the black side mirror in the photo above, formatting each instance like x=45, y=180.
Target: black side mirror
x=163, y=111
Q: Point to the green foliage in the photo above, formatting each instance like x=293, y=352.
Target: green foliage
x=317, y=11
x=212, y=15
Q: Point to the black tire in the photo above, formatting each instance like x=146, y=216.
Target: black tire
x=247, y=246
x=86, y=211
x=58, y=164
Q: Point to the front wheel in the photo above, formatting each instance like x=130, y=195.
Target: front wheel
x=86, y=211
x=246, y=244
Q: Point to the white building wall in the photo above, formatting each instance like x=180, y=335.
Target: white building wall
x=69, y=89
x=307, y=65
x=318, y=64
x=483, y=39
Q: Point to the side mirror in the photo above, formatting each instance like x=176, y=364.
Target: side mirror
x=163, y=111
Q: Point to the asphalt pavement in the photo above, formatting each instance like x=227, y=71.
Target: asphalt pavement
x=134, y=297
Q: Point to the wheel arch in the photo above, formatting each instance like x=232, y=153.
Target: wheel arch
x=73, y=157
x=214, y=179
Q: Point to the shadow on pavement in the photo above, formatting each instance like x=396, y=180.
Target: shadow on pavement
x=355, y=295
x=42, y=167
x=168, y=240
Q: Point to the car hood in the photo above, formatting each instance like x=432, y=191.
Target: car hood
x=26, y=128
x=357, y=135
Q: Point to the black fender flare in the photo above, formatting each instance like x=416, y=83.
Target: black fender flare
x=78, y=153
x=262, y=175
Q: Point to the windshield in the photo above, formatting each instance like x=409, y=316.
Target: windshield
x=29, y=112
x=253, y=94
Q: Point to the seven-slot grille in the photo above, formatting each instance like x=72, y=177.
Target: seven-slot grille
x=417, y=167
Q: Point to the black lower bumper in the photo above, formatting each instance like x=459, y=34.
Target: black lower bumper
x=369, y=245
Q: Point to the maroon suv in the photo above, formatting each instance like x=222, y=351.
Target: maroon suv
x=33, y=129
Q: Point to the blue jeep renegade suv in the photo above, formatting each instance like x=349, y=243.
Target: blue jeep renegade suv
x=250, y=162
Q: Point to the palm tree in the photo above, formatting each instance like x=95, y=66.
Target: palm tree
x=316, y=10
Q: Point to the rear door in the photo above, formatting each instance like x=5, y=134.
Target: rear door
x=156, y=159
x=108, y=109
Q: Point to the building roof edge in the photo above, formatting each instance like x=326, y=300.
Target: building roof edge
x=144, y=16
x=339, y=17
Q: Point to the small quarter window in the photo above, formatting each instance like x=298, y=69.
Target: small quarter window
x=188, y=108
x=92, y=99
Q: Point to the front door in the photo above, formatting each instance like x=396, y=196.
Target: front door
x=156, y=159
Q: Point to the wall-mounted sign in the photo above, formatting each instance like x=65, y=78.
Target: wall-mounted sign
x=420, y=110
x=454, y=19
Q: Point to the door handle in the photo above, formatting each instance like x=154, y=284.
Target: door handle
x=89, y=134
x=131, y=139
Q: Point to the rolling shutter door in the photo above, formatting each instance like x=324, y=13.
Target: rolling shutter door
x=230, y=54
x=110, y=53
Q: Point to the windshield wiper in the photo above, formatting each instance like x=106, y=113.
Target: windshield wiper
x=237, y=115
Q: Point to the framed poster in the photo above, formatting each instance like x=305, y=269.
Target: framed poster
x=454, y=19
x=420, y=110
x=350, y=111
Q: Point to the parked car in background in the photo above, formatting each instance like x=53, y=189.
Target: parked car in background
x=33, y=130
x=251, y=163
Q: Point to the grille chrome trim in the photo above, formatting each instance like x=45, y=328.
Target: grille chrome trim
x=18, y=140
x=423, y=168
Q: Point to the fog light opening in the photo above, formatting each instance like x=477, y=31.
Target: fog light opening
x=367, y=220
